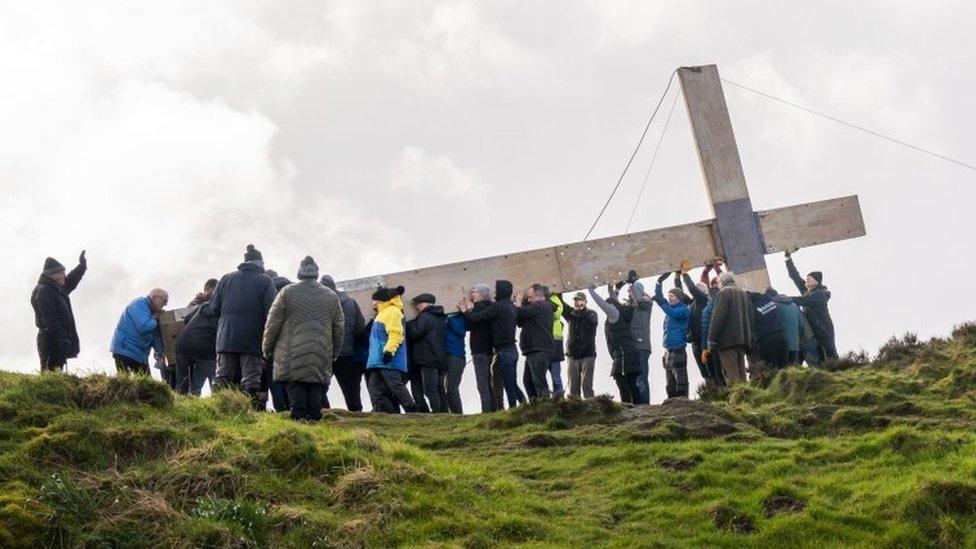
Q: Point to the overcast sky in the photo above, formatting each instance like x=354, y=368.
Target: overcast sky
x=380, y=136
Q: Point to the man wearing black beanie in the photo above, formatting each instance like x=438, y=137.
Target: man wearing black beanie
x=57, y=337
x=241, y=303
x=814, y=304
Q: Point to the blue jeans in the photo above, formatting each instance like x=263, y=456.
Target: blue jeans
x=556, y=371
x=642, y=379
x=507, y=360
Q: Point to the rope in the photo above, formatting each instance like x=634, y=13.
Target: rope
x=647, y=174
x=632, y=155
x=854, y=126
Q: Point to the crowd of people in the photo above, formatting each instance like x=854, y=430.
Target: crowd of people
x=284, y=342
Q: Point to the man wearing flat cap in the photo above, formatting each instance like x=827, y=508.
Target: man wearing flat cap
x=57, y=337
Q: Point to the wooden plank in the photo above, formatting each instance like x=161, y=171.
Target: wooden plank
x=810, y=224
x=649, y=252
x=712, y=128
x=171, y=326
x=563, y=268
x=721, y=168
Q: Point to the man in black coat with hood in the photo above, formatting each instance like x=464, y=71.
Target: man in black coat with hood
x=814, y=304
x=428, y=351
x=57, y=336
x=241, y=303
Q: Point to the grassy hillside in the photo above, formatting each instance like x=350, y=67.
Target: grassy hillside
x=871, y=454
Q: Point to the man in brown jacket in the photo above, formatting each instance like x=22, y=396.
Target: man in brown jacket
x=304, y=335
x=730, y=333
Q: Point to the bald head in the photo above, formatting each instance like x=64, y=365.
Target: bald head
x=158, y=298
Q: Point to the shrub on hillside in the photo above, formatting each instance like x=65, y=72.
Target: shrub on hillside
x=965, y=333
x=101, y=390
x=899, y=349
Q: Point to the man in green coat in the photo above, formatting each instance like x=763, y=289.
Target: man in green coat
x=304, y=335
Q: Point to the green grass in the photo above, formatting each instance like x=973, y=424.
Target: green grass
x=869, y=454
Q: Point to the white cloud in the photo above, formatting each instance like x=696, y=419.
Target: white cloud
x=417, y=171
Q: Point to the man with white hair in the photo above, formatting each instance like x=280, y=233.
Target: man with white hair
x=137, y=332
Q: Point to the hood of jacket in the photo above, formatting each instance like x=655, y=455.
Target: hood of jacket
x=435, y=310
x=251, y=267
x=395, y=302
x=503, y=290
x=44, y=279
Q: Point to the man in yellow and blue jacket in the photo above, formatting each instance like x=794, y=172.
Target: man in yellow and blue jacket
x=387, y=362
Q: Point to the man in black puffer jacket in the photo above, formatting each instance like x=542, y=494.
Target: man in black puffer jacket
x=534, y=316
x=57, y=336
x=241, y=302
x=349, y=368
x=814, y=304
x=482, y=354
x=428, y=351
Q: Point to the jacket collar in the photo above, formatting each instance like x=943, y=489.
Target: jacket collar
x=395, y=302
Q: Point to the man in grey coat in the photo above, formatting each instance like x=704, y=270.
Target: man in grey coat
x=304, y=334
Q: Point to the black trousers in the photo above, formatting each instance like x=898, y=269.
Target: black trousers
x=126, y=365
x=630, y=390
x=435, y=388
x=676, y=372
x=388, y=392
x=773, y=351
x=305, y=400
x=349, y=374
x=536, y=370
x=416, y=377
x=48, y=349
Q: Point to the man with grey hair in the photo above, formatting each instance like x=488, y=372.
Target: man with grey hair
x=57, y=336
x=534, y=316
x=137, y=332
x=730, y=333
x=479, y=339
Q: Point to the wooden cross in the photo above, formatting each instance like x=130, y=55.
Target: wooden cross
x=737, y=233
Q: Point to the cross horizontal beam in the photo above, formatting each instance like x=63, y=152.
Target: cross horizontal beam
x=576, y=266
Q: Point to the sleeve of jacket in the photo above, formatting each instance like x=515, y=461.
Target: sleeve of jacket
x=795, y=276
x=677, y=313
x=418, y=328
x=717, y=325
x=693, y=289
x=339, y=327
x=218, y=298
x=269, y=297
x=567, y=311
x=812, y=298
x=360, y=321
x=394, y=332
x=613, y=314
x=272, y=326
x=47, y=312
x=591, y=319
x=74, y=277
x=487, y=313
x=142, y=316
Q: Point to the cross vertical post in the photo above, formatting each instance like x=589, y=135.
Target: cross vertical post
x=737, y=232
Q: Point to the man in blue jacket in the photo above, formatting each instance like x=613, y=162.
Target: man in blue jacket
x=241, y=303
x=675, y=338
x=137, y=332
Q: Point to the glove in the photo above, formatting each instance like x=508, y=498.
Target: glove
x=631, y=276
x=387, y=357
x=81, y=258
x=662, y=278
x=685, y=266
x=706, y=354
x=619, y=285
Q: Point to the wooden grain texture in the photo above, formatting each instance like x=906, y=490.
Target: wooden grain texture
x=810, y=224
x=711, y=127
x=170, y=327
